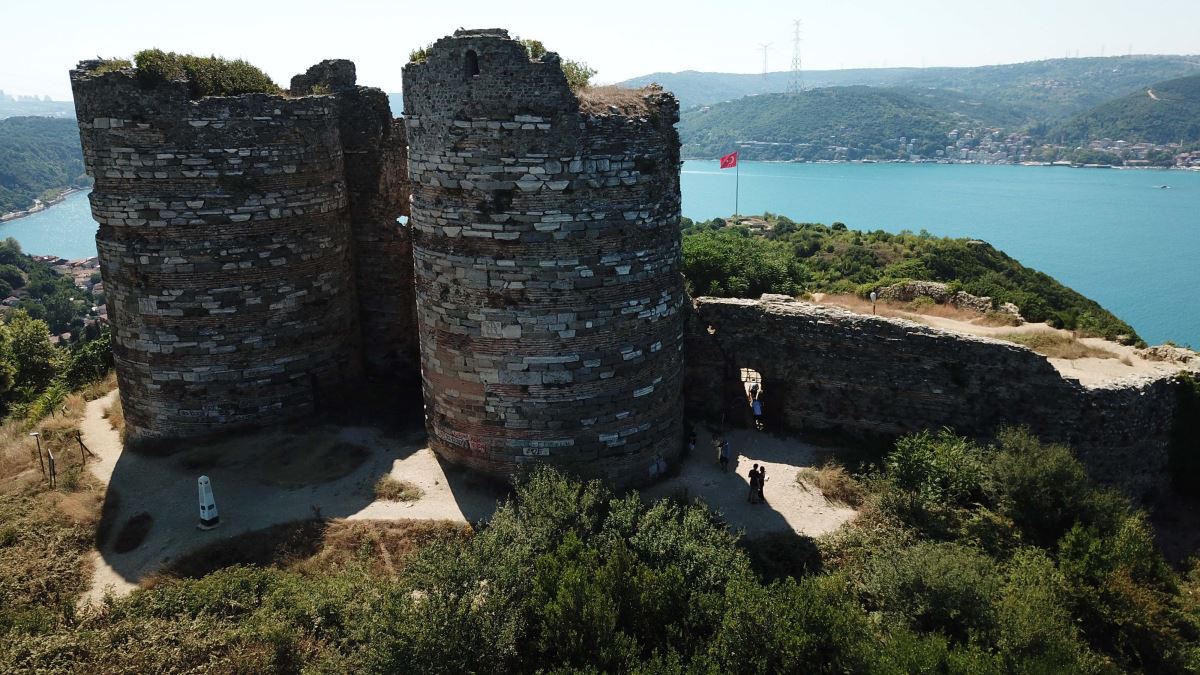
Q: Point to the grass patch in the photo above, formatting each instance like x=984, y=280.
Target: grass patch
x=1057, y=345
x=133, y=532
x=394, y=490
x=115, y=414
x=317, y=546
x=834, y=483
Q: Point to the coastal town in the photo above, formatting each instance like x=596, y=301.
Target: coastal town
x=85, y=275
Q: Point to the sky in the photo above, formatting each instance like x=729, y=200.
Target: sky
x=40, y=42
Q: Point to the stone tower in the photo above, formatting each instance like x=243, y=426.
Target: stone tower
x=226, y=251
x=547, y=253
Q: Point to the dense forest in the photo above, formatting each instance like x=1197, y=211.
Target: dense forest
x=1166, y=112
x=38, y=157
x=863, y=121
x=795, y=258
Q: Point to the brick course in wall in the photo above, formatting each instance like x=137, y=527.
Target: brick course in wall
x=547, y=254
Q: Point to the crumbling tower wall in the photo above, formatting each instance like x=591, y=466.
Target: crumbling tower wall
x=375, y=154
x=547, y=254
x=226, y=251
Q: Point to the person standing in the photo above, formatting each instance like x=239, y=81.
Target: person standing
x=762, y=483
x=723, y=453
x=754, y=478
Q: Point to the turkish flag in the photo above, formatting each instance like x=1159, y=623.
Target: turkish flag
x=729, y=161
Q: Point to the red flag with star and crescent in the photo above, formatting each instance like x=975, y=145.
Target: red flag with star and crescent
x=729, y=161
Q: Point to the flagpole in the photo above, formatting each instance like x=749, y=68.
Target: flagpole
x=737, y=185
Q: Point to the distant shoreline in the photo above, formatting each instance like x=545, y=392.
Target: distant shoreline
x=893, y=161
x=39, y=206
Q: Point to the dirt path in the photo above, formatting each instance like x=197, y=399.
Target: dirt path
x=252, y=494
x=1088, y=371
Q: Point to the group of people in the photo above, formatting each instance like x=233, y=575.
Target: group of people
x=725, y=456
x=758, y=480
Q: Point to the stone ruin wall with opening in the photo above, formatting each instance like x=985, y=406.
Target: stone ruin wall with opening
x=228, y=232
x=547, y=254
x=827, y=369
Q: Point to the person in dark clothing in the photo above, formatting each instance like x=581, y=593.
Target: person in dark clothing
x=762, y=483
x=754, y=478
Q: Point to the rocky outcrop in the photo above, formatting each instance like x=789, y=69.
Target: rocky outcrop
x=941, y=294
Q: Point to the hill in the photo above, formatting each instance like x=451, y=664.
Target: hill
x=38, y=156
x=1166, y=112
x=793, y=258
x=1044, y=90
x=862, y=121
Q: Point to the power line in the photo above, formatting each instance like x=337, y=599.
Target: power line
x=796, y=83
x=765, y=47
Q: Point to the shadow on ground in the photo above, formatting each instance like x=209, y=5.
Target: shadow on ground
x=315, y=472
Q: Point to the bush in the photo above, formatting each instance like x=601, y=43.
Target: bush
x=1045, y=490
x=205, y=75
x=936, y=587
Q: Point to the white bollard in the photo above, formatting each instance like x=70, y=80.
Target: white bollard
x=208, y=505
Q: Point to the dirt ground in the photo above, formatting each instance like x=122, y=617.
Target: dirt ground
x=269, y=478
x=788, y=506
x=1089, y=371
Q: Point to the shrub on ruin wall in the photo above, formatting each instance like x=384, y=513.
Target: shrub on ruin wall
x=578, y=74
x=205, y=75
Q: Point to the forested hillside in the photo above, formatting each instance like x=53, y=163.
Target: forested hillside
x=864, y=121
x=38, y=155
x=1047, y=90
x=1166, y=112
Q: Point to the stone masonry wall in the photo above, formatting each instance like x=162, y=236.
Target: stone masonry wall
x=226, y=251
x=825, y=369
x=375, y=152
x=547, y=253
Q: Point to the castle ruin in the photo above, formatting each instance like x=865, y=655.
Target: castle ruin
x=256, y=270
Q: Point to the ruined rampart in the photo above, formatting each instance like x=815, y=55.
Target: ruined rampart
x=828, y=369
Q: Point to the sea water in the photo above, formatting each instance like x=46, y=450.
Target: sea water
x=1116, y=236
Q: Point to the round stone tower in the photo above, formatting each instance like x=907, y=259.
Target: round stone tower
x=547, y=254
x=225, y=250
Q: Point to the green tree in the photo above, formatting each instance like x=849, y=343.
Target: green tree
x=34, y=359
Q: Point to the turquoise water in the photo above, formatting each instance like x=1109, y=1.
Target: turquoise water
x=1112, y=235
x=65, y=230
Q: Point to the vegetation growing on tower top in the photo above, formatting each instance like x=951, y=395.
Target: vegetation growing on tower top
x=205, y=75
x=578, y=74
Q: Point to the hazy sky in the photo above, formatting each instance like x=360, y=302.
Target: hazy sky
x=41, y=41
